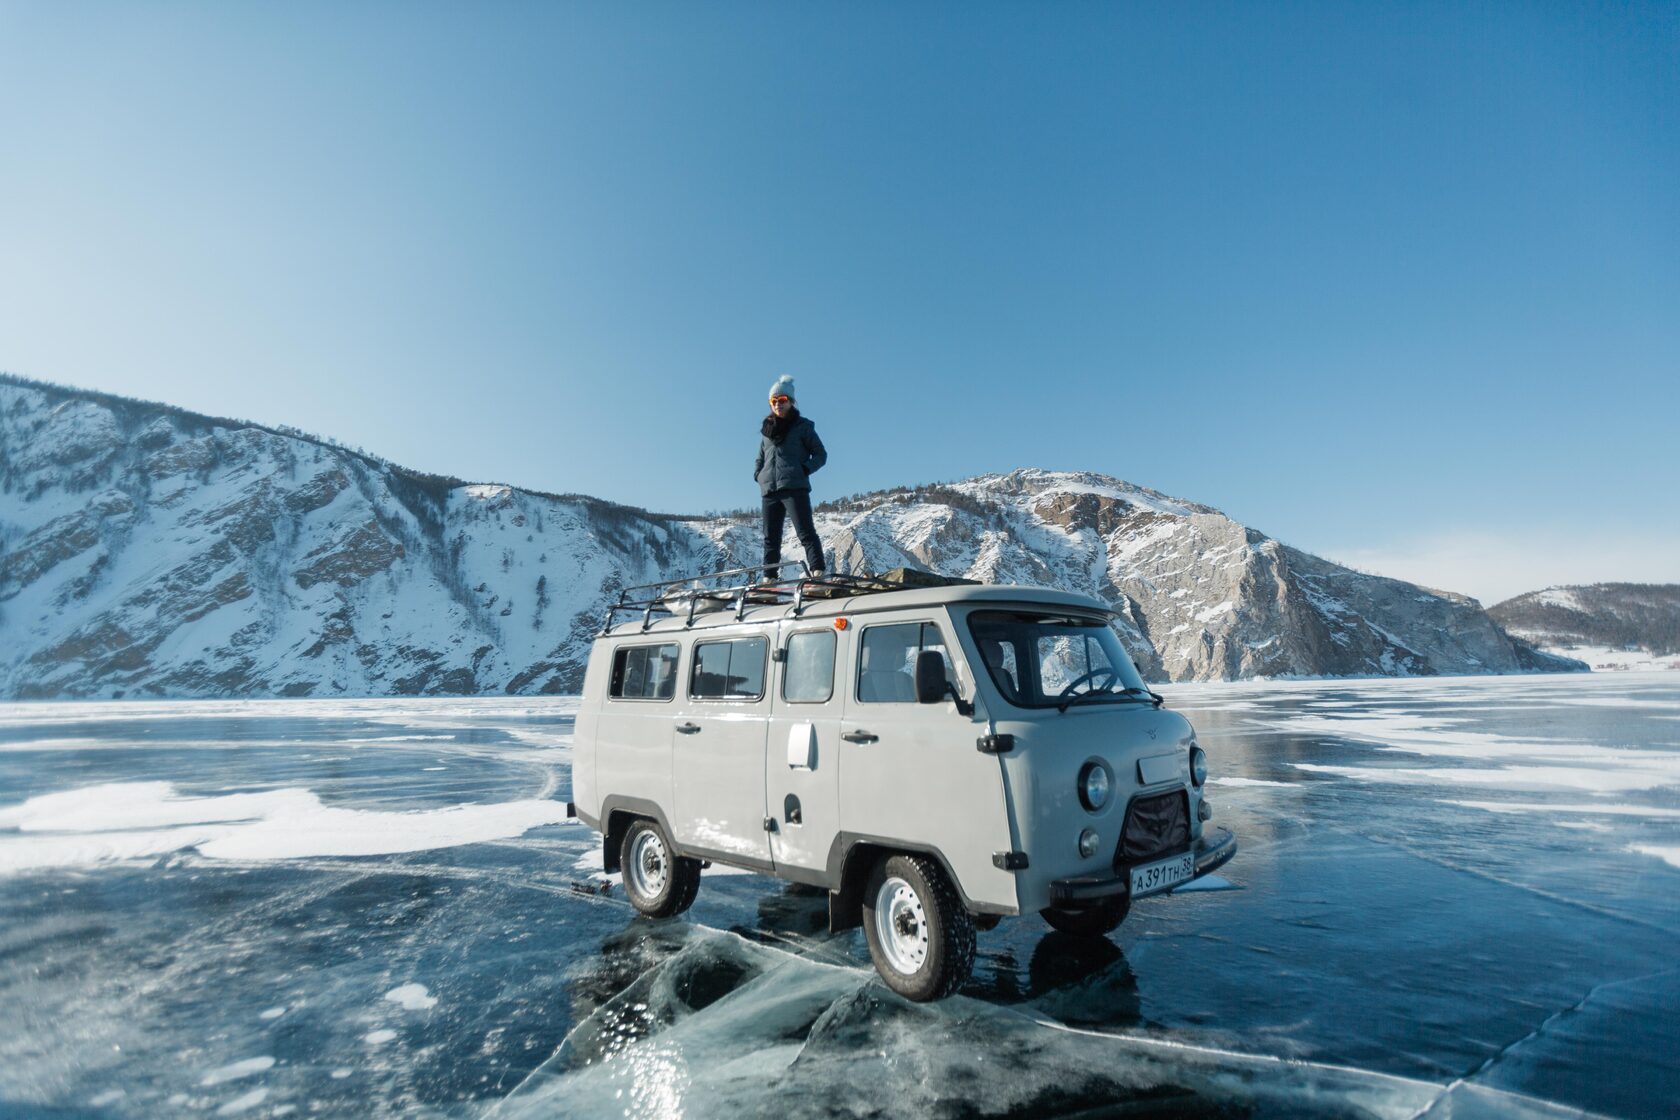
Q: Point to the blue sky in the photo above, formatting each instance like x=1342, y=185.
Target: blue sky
x=1396, y=283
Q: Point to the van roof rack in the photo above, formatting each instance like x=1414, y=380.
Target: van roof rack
x=739, y=588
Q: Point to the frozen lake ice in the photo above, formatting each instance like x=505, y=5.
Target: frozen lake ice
x=1453, y=897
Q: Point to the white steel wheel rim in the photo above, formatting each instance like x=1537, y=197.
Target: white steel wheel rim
x=649, y=866
x=901, y=927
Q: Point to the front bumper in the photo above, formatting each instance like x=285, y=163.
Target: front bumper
x=1211, y=852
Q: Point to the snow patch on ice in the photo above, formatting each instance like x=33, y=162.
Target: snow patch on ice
x=1532, y=763
x=138, y=820
x=412, y=997
x=396, y=739
x=246, y=1068
x=1668, y=854
x=1620, y=700
x=1511, y=777
x=1593, y=810
x=242, y=1104
x=469, y=713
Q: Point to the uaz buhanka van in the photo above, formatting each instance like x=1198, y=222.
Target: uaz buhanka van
x=936, y=757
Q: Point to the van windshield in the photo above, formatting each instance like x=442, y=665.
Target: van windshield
x=1040, y=660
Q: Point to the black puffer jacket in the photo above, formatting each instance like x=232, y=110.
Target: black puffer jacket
x=788, y=458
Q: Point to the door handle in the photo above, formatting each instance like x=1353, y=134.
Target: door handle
x=688, y=728
x=860, y=737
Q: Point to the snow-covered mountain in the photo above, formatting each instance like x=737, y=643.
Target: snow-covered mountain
x=1608, y=625
x=149, y=551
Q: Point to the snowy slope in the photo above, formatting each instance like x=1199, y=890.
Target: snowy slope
x=148, y=551
x=145, y=551
x=1608, y=625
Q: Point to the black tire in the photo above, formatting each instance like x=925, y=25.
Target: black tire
x=1097, y=920
x=657, y=882
x=932, y=952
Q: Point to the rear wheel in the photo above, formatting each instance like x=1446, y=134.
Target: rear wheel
x=920, y=936
x=1096, y=920
x=658, y=882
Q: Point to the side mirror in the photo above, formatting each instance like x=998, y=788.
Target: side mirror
x=931, y=685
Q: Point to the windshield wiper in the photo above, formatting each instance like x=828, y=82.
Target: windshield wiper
x=1106, y=690
x=1123, y=693
x=1149, y=694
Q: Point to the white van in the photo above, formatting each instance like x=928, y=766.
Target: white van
x=937, y=757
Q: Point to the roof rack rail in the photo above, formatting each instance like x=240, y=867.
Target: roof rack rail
x=738, y=588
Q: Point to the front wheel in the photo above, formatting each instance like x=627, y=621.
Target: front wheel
x=1096, y=920
x=920, y=936
x=658, y=882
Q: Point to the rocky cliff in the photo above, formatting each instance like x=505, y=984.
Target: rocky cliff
x=146, y=551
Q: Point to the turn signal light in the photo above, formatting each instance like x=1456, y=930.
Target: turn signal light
x=840, y=624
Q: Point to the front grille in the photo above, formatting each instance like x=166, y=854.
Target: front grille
x=1155, y=824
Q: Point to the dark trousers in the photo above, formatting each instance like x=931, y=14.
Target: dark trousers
x=777, y=506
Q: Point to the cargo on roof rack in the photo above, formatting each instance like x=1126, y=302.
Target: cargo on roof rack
x=915, y=577
x=739, y=588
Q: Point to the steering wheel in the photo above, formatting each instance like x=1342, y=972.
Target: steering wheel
x=1112, y=674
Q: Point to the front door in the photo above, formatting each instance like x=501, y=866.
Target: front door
x=911, y=772
x=802, y=759
x=717, y=751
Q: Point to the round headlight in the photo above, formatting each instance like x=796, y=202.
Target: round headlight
x=1093, y=786
x=1198, y=766
x=1088, y=843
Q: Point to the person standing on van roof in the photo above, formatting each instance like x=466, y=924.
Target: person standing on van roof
x=789, y=452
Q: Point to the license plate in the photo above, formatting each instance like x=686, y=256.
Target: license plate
x=1153, y=878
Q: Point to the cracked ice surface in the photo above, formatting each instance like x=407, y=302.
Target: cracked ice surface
x=371, y=908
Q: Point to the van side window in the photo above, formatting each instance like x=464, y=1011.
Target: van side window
x=732, y=670
x=887, y=667
x=644, y=673
x=809, y=676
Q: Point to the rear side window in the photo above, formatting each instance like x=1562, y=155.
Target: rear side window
x=809, y=676
x=887, y=666
x=732, y=670
x=644, y=673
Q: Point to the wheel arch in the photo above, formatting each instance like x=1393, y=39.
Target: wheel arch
x=850, y=859
x=617, y=815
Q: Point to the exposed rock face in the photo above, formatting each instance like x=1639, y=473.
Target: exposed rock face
x=1200, y=596
x=145, y=551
